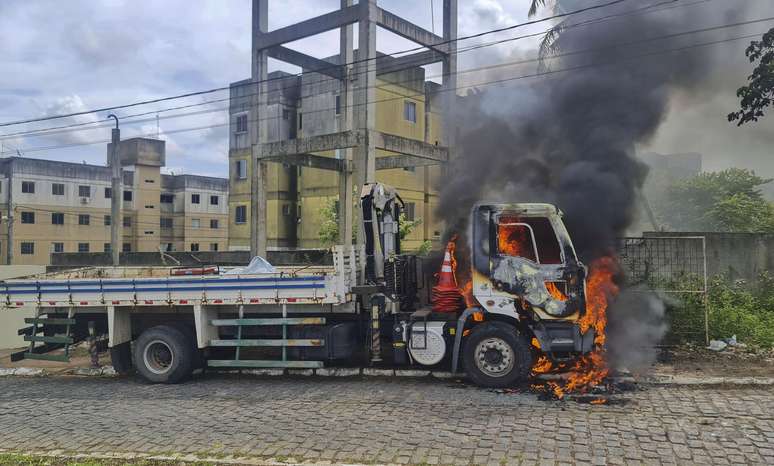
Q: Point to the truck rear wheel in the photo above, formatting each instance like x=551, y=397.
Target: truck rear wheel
x=163, y=354
x=496, y=355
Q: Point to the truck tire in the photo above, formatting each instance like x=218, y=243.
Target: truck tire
x=121, y=358
x=496, y=355
x=163, y=354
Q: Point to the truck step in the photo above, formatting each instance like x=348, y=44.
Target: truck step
x=269, y=321
x=44, y=339
x=269, y=342
x=254, y=363
x=52, y=321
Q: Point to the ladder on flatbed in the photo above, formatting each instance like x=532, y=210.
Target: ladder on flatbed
x=284, y=322
x=37, y=333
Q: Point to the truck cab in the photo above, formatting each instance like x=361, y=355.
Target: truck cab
x=529, y=284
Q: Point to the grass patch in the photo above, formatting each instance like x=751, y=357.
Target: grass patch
x=17, y=459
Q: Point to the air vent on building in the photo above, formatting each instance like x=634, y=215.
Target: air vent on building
x=85, y=200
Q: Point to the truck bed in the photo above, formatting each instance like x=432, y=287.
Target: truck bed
x=153, y=286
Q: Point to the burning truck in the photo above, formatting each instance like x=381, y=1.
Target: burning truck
x=527, y=305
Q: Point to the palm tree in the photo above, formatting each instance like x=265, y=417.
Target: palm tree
x=548, y=45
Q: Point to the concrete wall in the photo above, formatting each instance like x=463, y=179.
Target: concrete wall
x=12, y=320
x=737, y=255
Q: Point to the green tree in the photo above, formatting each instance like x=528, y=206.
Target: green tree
x=728, y=200
x=328, y=233
x=756, y=96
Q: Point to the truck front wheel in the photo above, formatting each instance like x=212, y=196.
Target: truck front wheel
x=496, y=355
x=163, y=354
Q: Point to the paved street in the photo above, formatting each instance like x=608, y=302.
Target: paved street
x=394, y=420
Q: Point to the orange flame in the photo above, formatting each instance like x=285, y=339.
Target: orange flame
x=591, y=369
x=514, y=240
x=555, y=292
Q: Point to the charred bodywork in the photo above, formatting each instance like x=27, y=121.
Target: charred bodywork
x=525, y=267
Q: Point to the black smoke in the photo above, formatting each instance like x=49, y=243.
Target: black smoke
x=569, y=138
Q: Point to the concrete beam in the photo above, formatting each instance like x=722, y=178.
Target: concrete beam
x=409, y=61
x=410, y=31
x=402, y=161
x=306, y=62
x=308, y=28
x=308, y=160
x=322, y=143
x=412, y=147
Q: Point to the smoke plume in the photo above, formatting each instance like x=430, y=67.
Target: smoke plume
x=569, y=137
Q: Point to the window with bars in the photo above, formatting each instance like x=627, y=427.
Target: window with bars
x=28, y=187
x=57, y=218
x=57, y=189
x=84, y=219
x=84, y=191
x=28, y=217
x=241, y=123
x=240, y=214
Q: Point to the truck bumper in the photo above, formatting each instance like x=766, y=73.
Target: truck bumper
x=561, y=337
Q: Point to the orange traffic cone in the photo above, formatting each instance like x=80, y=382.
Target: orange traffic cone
x=446, y=296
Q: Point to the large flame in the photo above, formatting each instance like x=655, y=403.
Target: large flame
x=514, y=239
x=591, y=369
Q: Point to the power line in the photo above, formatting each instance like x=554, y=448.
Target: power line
x=354, y=62
x=485, y=83
x=46, y=132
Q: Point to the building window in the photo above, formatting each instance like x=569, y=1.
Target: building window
x=128, y=196
x=195, y=199
x=126, y=247
x=410, y=111
x=214, y=223
x=84, y=219
x=108, y=193
x=194, y=247
x=28, y=217
x=150, y=181
x=240, y=214
x=300, y=121
x=410, y=211
x=166, y=222
x=28, y=248
x=338, y=105
x=241, y=169
x=28, y=187
x=57, y=247
x=127, y=221
x=241, y=123
x=108, y=221
x=168, y=247
x=410, y=169
x=285, y=209
x=214, y=200
x=150, y=206
x=57, y=189
x=150, y=232
x=167, y=198
x=213, y=246
x=57, y=218
x=107, y=248
x=84, y=191
x=195, y=223
x=83, y=247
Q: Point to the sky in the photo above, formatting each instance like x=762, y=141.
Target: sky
x=60, y=57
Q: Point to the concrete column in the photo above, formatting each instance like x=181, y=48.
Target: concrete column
x=365, y=99
x=258, y=130
x=347, y=98
x=449, y=75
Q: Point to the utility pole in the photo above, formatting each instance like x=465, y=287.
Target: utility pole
x=116, y=194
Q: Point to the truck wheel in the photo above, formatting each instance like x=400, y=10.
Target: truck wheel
x=121, y=358
x=495, y=355
x=163, y=354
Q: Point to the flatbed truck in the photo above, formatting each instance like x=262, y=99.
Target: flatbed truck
x=525, y=297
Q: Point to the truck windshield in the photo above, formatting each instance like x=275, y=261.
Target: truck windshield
x=532, y=238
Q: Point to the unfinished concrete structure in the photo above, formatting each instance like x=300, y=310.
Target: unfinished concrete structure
x=353, y=136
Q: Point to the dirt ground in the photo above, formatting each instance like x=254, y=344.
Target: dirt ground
x=732, y=362
x=79, y=357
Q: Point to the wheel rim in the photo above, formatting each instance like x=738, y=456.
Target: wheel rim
x=494, y=357
x=158, y=357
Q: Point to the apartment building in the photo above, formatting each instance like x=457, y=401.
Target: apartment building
x=311, y=105
x=55, y=207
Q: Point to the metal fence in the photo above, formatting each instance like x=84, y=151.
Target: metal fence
x=673, y=266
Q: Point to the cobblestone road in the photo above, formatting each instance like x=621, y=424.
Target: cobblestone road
x=378, y=420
